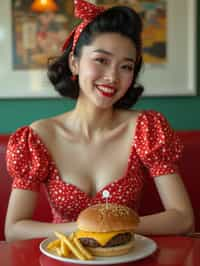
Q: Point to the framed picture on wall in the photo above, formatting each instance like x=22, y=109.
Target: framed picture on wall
x=29, y=38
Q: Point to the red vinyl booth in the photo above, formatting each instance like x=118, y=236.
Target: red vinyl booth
x=189, y=168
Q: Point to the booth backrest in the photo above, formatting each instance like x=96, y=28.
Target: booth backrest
x=150, y=202
x=189, y=167
x=5, y=183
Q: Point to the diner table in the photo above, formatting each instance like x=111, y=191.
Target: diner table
x=171, y=251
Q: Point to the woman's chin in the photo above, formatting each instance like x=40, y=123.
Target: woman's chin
x=104, y=102
x=103, y=105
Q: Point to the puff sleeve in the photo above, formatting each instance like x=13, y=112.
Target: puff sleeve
x=157, y=144
x=27, y=159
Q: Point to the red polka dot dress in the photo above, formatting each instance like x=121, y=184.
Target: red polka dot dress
x=155, y=148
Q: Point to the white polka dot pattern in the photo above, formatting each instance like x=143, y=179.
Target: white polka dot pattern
x=25, y=161
x=155, y=146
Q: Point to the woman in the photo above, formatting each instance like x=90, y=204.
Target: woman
x=100, y=144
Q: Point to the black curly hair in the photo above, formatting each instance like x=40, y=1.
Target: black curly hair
x=118, y=19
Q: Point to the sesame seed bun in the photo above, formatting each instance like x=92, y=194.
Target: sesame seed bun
x=107, y=218
x=107, y=230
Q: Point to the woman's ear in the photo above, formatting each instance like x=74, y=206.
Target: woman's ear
x=73, y=64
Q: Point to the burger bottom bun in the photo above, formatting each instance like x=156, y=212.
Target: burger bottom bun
x=112, y=251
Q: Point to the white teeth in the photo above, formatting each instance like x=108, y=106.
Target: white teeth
x=104, y=89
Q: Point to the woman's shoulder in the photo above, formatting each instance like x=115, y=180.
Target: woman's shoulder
x=48, y=124
x=140, y=116
x=137, y=115
x=43, y=125
x=128, y=115
x=145, y=122
x=45, y=130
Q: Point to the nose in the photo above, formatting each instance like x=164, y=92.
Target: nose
x=111, y=74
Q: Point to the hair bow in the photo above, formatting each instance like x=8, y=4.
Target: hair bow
x=87, y=12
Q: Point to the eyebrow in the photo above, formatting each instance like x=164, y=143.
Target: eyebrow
x=109, y=53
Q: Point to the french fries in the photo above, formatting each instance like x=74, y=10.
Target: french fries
x=59, y=252
x=69, y=246
x=82, y=249
x=64, y=250
x=53, y=244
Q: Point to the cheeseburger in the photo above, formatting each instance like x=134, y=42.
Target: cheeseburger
x=107, y=229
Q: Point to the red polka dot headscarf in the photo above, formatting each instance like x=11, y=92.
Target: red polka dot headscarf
x=87, y=12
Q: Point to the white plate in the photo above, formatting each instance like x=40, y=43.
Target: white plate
x=143, y=247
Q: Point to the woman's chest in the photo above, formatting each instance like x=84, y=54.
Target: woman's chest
x=76, y=190
x=82, y=171
x=91, y=166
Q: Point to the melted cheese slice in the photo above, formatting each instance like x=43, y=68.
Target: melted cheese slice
x=101, y=238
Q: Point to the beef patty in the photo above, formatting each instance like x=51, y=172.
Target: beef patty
x=115, y=241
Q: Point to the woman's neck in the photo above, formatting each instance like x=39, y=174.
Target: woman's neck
x=92, y=121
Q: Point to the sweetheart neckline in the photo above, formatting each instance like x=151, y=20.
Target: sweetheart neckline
x=90, y=197
x=126, y=171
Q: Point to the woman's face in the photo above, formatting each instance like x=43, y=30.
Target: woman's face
x=105, y=69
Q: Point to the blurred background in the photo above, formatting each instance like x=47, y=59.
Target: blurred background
x=30, y=35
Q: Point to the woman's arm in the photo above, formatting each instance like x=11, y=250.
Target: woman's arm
x=178, y=216
x=19, y=223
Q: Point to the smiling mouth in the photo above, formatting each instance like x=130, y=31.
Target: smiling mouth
x=106, y=91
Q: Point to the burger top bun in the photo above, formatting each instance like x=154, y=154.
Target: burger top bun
x=107, y=217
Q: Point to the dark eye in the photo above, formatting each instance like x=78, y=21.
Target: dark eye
x=101, y=60
x=128, y=67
